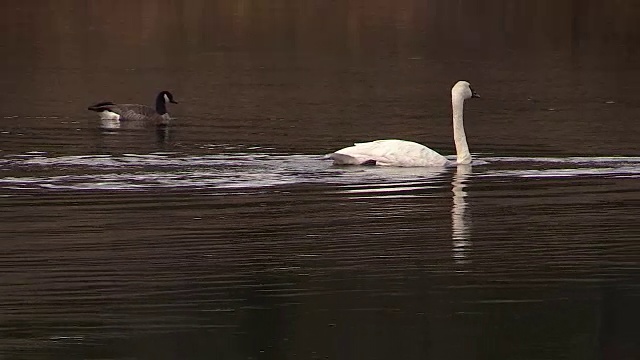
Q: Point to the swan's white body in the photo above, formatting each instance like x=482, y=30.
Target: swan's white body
x=389, y=153
x=408, y=153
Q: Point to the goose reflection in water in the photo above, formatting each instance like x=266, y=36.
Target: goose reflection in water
x=129, y=135
x=459, y=220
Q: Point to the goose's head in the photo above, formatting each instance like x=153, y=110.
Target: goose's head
x=167, y=97
x=462, y=89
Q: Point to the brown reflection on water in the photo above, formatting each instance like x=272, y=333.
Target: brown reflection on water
x=332, y=73
x=72, y=31
x=102, y=35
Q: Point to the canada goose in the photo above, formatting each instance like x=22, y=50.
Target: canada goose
x=136, y=112
x=408, y=153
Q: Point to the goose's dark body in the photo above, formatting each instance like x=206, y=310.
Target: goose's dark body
x=136, y=112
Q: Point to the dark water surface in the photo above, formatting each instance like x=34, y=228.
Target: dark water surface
x=226, y=236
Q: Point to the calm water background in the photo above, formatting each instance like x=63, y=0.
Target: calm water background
x=226, y=236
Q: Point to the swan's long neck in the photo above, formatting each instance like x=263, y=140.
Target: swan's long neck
x=462, y=149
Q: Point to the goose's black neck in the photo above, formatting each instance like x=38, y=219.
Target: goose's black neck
x=161, y=106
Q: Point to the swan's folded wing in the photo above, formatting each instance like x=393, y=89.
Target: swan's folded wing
x=394, y=153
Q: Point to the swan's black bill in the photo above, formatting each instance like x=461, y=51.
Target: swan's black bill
x=474, y=94
x=173, y=101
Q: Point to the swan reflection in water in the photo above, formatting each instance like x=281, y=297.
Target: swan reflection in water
x=459, y=220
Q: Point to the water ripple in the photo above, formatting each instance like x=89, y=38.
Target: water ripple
x=257, y=170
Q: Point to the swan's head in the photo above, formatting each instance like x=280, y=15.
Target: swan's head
x=462, y=89
x=167, y=97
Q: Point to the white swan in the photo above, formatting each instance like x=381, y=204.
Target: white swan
x=409, y=153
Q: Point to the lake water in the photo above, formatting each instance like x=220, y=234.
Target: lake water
x=227, y=236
